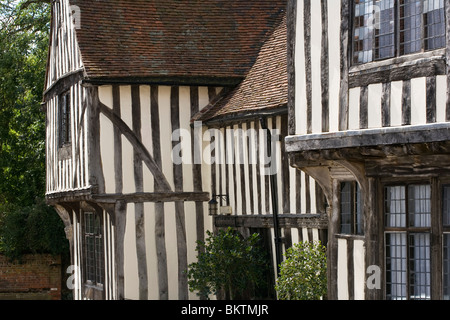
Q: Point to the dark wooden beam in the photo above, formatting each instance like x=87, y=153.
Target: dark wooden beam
x=140, y=197
x=427, y=165
x=245, y=116
x=364, y=107
x=386, y=105
x=308, y=71
x=344, y=64
x=396, y=72
x=95, y=169
x=141, y=150
x=370, y=138
x=167, y=80
x=291, y=32
x=447, y=56
x=431, y=99
x=63, y=84
x=120, y=222
x=325, y=73
x=318, y=221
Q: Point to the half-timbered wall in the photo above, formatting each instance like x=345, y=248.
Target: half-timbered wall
x=67, y=167
x=243, y=167
x=334, y=95
x=317, y=68
x=330, y=94
x=64, y=54
x=241, y=171
x=160, y=238
x=121, y=154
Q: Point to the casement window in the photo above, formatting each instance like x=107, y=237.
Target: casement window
x=93, y=237
x=64, y=119
x=446, y=273
x=389, y=28
x=407, y=240
x=408, y=213
x=446, y=241
x=350, y=208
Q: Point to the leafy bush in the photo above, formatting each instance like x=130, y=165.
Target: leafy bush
x=227, y=261
x=303, y=274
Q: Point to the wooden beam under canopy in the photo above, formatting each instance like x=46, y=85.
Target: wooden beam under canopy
x=138, y=197
x=153, y=197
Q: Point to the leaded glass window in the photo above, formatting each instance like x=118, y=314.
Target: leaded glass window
x=351, y=209
x=407, y=241
x=94, y=248
x=389, y=28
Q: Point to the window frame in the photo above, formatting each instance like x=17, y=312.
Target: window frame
x=396, y=36
x=444, y=286
x=98, y=253
x=437, y=230
x=64, y=119
x=445, y=232
x=408, y=231
x=355, y=190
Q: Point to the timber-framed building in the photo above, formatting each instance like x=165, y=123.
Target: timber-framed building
x=126, y=81
x=368, y=119
x=305, y=119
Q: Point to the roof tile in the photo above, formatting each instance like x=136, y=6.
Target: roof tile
x=265, y=86
x=174, y=38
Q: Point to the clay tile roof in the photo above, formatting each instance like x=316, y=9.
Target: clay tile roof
x=265, y=86
x=173, y=38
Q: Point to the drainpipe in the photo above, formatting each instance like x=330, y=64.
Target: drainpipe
x=274, y=193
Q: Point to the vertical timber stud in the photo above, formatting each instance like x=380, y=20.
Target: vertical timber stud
x=139, y=207
x=274, y=194
x=324, y=64
x=197, y=167
x=447, y=52
x=436, y=239
x=345, y=47
x=291, y=32
x=364, y=107
x=406, y=103
x=431, y=99
x=160, y=237
x=386, y=105
x=179, y=205
x=308, y=72
x=96, y=178
x=373, y=232
x=333, y=229
x=120, y=220
x=118, y=171
x=350, y=270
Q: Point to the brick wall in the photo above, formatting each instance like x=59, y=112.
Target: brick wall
x=36, y=277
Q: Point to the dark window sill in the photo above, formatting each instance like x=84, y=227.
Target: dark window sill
x=422, y=64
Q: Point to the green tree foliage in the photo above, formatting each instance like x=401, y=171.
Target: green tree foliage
x=32, y=229
x=23, y=53
x=303, y=274
x=228, y=262
x=24, y=220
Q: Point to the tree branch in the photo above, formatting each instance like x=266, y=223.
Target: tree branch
x=27, y=3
